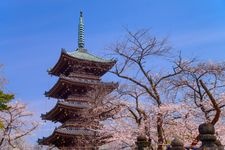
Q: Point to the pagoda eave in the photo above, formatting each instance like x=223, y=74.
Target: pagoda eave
x=63, y=84
x=60, y=108
x=70, y=134
x=66, y=59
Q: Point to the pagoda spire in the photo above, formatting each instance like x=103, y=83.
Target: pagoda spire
x=81, y=32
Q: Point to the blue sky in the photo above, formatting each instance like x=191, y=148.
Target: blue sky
x=32, y=34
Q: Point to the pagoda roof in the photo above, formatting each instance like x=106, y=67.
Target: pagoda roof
x=80, y=55
x=84, y=55
x=64, y=81
x=66, y=134
x=56, y=114
x=76, y=131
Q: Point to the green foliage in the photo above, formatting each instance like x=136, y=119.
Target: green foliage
x=4, y=99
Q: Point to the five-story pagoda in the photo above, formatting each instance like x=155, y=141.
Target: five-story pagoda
x=79, y=75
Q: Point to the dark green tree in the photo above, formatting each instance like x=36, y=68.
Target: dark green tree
x=4, y=99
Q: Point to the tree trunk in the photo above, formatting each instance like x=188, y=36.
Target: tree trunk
x=160, y=131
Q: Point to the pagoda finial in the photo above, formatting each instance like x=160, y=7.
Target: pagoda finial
x=81, y=32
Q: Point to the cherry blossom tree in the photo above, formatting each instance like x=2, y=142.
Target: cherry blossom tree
x=15, y=121
x=164, y=92
x=136, y=55
x=203, y=84
x=16, y=125
x=103, y=107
